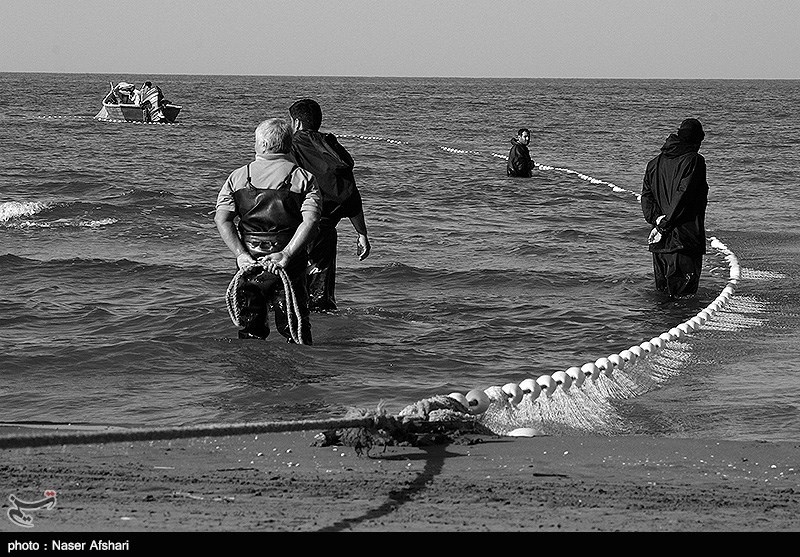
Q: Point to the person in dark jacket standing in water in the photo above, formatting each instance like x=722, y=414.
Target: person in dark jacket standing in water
x=520, y=164
x=674, y=200
x=322, y=155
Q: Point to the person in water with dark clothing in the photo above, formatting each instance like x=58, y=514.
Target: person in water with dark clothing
x=321, y=154
x=520, y=164
x=674, y=201
x=278, y=207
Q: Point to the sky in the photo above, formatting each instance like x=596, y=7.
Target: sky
x=672, y=39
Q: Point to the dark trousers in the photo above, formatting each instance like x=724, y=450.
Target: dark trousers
x=265, y=291
x=677, y=274
x=322, y=270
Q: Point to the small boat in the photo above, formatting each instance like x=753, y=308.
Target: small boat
x=125, y=102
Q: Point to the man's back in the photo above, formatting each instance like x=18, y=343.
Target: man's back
x=675, y=185
x=322, y=155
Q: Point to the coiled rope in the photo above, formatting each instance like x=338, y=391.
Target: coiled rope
x=234, y=304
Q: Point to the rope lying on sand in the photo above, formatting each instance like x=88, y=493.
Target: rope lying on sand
x=431, y=421
x=234, y=302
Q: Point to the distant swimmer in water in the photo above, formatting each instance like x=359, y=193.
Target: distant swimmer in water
x=520, y=164
x=278, y=206
x=674, y=200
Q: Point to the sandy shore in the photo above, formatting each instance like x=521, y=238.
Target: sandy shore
x=280, y=482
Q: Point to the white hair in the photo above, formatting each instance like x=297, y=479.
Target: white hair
x=275, y=134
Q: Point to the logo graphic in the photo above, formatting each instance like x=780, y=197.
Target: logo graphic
x=17, y=515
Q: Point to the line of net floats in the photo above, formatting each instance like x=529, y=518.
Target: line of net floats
x=477, y=401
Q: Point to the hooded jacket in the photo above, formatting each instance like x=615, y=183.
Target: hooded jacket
x=519, y=160
x=675, y=186
x=330, y=163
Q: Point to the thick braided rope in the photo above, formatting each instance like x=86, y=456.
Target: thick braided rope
x=157, y=434
x=292, y=307
x=232, y=297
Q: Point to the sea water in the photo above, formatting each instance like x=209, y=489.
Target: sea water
x=113, y=276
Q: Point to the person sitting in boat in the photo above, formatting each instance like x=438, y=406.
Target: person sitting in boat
x=136, y=97
x=124, y=91
x=153, y=100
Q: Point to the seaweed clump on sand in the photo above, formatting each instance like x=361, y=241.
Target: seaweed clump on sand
x=438, y=420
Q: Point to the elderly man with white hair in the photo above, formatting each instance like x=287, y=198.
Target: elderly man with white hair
x=277, y=205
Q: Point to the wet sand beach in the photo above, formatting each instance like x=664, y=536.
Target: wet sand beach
x=279, y=482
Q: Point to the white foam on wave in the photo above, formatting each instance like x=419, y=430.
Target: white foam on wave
x=65, y=223
x=15, y=209
x=752, y=274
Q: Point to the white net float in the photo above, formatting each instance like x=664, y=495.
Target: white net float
x=460, y=398
x=702, y=317
x=523, y=432
x=591, y=371
x=513, y=392
x=648, y=347
x=729, y=290
x=666, y=337
x=637, y=350
x=478, y=401
x=629, y=357
x=676, y=332
x=578, y=377
x=561, y=378
x=617, y=360
x=530, y=388
x=658, y=343
x=604, y=366
x=547, y=384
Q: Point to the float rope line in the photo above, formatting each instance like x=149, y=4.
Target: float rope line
x=100, y=119
x=118, y=121
x=495, y=155
x=234, y=304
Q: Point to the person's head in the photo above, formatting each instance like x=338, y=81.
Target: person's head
x=306, y=114
x=273, y=136
x=148, y=84
x=691, y=131
x=524, y=136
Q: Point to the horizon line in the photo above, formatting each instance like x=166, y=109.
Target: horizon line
x=352, y=76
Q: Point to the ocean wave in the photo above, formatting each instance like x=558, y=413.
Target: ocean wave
x=11, y=210
x=65, y=223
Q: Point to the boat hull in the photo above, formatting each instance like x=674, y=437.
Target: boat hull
x=137, y=113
